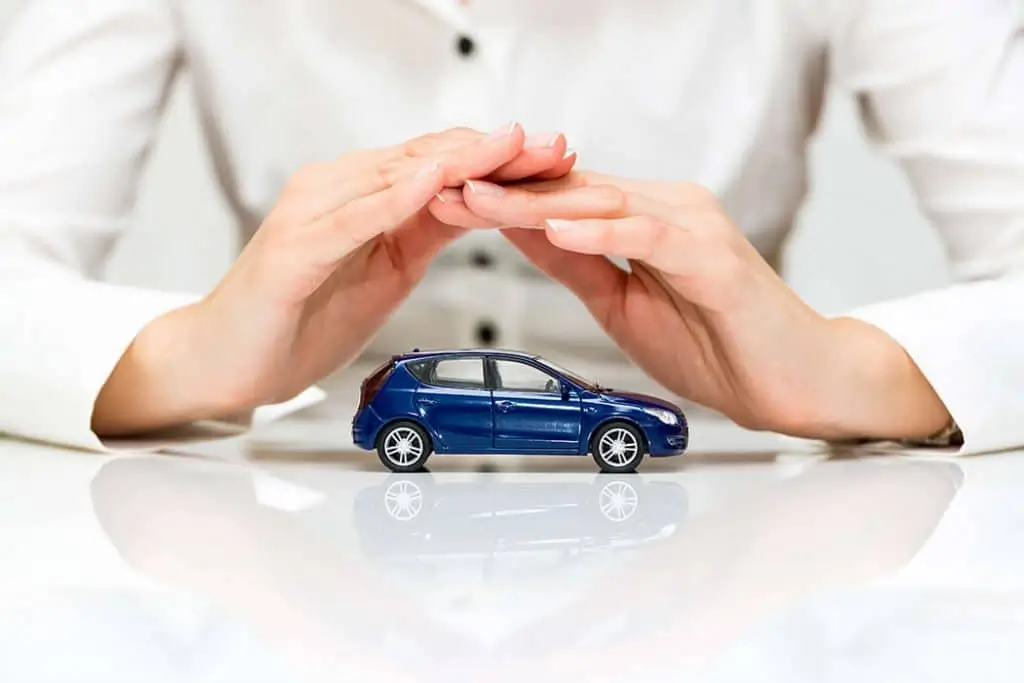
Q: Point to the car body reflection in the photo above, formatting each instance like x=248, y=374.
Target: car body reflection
x=416, y=515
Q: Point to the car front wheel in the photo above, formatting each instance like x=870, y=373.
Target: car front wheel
x=618, y=447
x=404, y=447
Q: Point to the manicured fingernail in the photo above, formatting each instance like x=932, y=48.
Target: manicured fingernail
x=542, y=141
x=569, y=151
x=485, y=189
x=427, y=169
x=560, y=226
x=450, y=196
x=503, y=131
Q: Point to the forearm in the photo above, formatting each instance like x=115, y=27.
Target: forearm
x=872, y=389
x=159, y=381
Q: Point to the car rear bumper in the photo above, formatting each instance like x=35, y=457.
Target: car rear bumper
x=365, y=426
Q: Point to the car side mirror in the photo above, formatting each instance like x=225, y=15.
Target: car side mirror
x=565, y=392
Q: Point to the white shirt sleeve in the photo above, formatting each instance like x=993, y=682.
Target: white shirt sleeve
x=82, y=89
x=941, y=88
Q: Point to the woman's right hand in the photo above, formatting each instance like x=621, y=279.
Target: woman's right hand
x=345, y=244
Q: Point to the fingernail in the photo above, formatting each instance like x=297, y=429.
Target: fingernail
x=559, y=225
x=542, y=141
x=450, y=196
x=569, y=151
x=427, y=169
x=486, y=189
x=503, y=131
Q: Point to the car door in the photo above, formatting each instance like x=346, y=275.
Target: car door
x=531, y=414
x=454, y=402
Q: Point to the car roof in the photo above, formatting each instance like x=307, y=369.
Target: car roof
x=433, y=353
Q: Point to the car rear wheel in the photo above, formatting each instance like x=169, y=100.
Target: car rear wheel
x=404, y=447
x=618, y=447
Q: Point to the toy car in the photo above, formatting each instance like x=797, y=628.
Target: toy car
x=506, y=402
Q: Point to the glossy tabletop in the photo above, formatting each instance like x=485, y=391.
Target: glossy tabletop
x=288, y=556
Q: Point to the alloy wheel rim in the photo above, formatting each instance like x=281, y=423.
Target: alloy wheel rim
x=403, y=500
x=618, y=447
x=403, y=446
x=618, y=501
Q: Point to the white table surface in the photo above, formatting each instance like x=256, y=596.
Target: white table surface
x=287, y=556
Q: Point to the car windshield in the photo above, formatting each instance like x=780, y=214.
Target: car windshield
x=585, y=383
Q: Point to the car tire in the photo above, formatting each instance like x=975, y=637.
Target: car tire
x=404, y=447
x=618, y=448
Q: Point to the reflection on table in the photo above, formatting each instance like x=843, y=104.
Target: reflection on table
x=508, y=576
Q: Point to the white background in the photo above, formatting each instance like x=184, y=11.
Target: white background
x=859, y=239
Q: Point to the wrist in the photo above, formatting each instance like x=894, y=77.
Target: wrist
x=872, y=389
x=161, y=380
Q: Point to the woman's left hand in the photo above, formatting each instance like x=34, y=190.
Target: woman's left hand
x=702, y=312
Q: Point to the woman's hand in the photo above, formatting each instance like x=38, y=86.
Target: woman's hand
x=346, y=242
x=703, y=313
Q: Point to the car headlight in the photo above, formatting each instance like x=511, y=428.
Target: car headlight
x=666, y=416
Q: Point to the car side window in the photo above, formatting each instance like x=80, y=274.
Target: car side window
x=461, y=373
x=515, y=376
x=421, y=369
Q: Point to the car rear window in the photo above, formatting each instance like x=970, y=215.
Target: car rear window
x=373, y=383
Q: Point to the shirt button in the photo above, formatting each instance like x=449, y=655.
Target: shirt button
x=465, y=45
x=481, y=259
x=486, y=333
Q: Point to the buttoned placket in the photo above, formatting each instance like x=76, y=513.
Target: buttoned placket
x=479, y=277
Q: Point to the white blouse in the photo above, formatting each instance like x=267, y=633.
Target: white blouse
x=722, y=93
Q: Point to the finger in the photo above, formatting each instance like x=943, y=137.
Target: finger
x=560, y=169
x=319, y=189
x=449, y=208
x=514, y=207
x=392, y=159
x=682, y=193
x=649, y=239
x=540, y=153
x=634, y=201
x=332, y=185
x=599, y=283
x=569, y=181
x=326, y=186
x=358, y=222
x=432, y=144
x=483, y=157
x=544, y=155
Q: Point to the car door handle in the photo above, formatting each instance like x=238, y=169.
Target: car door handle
x=505, y=406
x=427, y=402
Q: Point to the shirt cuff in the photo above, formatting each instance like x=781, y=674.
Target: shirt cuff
x=213, y=430
x=62, y=337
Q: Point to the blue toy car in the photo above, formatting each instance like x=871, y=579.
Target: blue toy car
x=505, y=402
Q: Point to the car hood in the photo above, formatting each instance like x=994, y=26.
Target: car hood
x=643, y=399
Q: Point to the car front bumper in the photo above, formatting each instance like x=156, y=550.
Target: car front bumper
x=669, y=441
